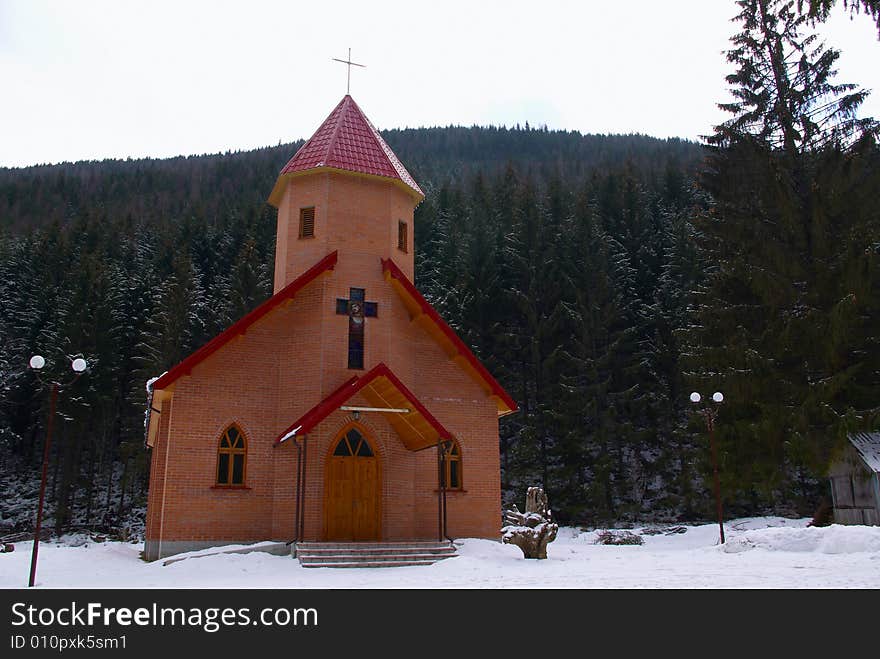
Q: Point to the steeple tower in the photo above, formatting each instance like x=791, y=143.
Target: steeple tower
x=345, y=191
x=343, y=408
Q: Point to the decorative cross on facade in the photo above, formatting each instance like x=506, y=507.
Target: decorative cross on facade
x=350, y=64
x=356, y=308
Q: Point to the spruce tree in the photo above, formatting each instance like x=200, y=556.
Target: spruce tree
x=786, y=98
x=819, y=10
x=776, y=325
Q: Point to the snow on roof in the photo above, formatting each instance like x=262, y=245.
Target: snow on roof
x=868, y=446
x=290, y=434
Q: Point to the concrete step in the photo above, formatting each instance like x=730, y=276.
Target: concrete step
x=365, y=551
x=368, y=558
x=371, y=554
x=385, y=564
x=373, y=545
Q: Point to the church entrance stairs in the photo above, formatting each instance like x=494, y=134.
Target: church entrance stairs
x=372, y=554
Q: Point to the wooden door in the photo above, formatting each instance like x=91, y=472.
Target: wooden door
x=351, y=502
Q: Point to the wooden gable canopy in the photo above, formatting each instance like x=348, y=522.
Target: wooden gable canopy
x=418, y=428
x=421, y=311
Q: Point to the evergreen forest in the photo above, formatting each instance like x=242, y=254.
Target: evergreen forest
x=600, y=278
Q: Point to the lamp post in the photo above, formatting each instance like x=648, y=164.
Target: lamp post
x=710, y=413
x=36, y=364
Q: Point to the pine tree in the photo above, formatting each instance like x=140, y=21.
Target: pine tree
x=176, y=325
x=819, y=10
x=535, y=299
x=138, y=263
x=779, y=234
x=783, y=85
x=250, y=281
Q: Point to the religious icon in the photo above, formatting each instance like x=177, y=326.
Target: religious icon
x=356, y=308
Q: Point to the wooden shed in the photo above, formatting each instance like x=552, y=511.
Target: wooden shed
x=855, y=481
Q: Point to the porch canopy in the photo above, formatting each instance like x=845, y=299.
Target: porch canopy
x=417, y=427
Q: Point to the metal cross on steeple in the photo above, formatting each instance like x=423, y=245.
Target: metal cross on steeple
x=350, y=64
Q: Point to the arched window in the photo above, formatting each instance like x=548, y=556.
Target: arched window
x=450, y=474
x=231, y=457
x=353, y=443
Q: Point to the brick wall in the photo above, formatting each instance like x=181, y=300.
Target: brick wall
x=289, y=361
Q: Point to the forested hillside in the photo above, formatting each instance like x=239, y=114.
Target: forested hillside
x=600, y=278
x=137, y=263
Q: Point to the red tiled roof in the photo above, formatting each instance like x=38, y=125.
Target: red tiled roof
x=186, y=366
x=347, y=140
x=417, y=304
x=418, y=428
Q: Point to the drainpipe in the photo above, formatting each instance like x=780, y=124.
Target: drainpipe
x=302, y=496
x=296, y=495
x=439, y=492
x=299, y=492
x=441, y=495
x=445, y=517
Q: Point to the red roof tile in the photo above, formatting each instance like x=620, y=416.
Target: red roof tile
x=347, y=140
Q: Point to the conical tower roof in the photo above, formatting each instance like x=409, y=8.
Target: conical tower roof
x=348, y=141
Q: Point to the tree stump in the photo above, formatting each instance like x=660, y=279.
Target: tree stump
x=532, y=530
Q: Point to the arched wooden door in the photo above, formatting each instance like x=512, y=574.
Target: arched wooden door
x=351, y=494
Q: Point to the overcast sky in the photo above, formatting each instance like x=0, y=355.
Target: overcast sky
x=114, y=79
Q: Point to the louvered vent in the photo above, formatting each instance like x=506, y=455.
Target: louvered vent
x=307, y=222
x=402, y=237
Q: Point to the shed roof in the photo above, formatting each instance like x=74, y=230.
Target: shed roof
x=868, y=446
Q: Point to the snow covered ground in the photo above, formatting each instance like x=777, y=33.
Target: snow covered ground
x=766, y=552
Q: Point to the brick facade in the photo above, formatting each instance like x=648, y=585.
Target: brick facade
x=293, y=357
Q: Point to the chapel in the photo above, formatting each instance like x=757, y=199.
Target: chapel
x=343, y=408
